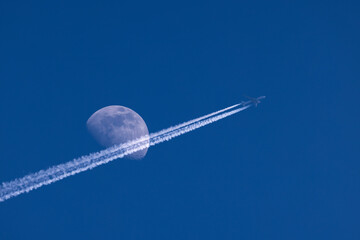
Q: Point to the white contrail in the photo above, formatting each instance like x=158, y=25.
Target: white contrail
x=56, y=173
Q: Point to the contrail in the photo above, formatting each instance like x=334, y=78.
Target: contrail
x=84, y=163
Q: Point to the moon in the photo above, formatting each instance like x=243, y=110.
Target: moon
x=116, y=125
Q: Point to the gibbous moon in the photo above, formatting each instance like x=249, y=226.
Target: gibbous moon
x=116, y=125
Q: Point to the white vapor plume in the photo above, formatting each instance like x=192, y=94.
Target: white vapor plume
x=84, y=163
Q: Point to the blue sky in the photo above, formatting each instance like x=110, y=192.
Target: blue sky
x=288, y=169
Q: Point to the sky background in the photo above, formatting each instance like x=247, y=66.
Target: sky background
x=288, y=169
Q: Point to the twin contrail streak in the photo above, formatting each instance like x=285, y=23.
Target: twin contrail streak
x=58, y=172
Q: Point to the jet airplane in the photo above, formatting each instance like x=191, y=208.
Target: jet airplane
x=252, y=100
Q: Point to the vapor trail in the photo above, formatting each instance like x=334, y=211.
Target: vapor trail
x=61, y=171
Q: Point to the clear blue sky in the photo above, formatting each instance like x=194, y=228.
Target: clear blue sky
x=288, y=169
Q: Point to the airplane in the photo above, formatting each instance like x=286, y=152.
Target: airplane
x=252, y=100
